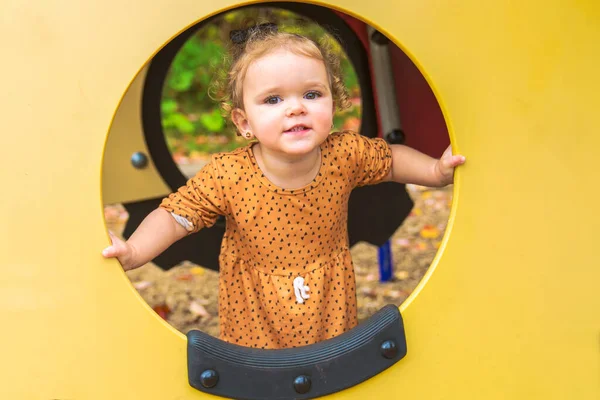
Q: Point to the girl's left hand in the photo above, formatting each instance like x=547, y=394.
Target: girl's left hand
x=444, y=168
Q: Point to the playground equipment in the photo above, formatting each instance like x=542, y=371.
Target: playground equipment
x=509, y=308
x=375, y=212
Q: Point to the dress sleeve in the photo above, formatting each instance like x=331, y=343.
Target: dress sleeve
x=201, y=199
x=370, y=160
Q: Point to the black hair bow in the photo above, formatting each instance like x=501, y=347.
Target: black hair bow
x=239, y=36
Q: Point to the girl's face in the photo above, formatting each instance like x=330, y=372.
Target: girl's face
x=288, y=105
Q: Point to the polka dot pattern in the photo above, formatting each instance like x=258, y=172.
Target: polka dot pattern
x=274, y=235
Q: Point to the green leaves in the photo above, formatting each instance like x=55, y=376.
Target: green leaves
x=176, y=121
x=213, y=121
x=182, y=81
x=168, y=106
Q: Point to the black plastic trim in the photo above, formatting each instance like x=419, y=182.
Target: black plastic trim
x=238, y=372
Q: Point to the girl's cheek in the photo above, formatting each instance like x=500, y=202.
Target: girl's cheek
x=324, y=112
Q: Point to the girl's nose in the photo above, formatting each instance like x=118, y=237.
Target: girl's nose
x=295, y=108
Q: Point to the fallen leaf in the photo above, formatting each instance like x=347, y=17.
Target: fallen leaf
x=402, y=275
x=162, y=310
x=395, y=294
x=197, y=270
x=402, y=242
x=439, y=206
x=368, y=292
x=429, y=232
x=204, y=302
x=198, y=309
x=420, y=246
x=184, y=277
x=141, y=285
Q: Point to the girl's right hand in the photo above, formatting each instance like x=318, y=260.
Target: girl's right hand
x=121, y=250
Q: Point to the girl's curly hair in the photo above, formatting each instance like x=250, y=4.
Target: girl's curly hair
x=250, y=44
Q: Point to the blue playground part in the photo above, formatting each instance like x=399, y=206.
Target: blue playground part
x=386, y=268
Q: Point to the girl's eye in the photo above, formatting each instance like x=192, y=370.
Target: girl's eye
x=272, y=99
x=312, y=95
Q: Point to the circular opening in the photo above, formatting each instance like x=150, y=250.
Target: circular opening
x=182, y=126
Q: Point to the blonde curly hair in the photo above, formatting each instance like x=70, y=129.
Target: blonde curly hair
x=256, y=43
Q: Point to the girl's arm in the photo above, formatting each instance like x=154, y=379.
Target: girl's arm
x=412, y=166
x=156, y=233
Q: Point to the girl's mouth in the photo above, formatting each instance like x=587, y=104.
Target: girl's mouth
x=298, y=129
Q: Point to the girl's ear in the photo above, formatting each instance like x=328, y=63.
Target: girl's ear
x=238, y=116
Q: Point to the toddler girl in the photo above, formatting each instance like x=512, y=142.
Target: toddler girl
x=286, y=274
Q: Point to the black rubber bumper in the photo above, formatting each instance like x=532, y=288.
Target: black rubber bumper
x=238, y=372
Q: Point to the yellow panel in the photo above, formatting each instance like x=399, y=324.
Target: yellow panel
x=509, y=310
x=121, y=182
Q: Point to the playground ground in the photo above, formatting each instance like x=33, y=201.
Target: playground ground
x=186, y=296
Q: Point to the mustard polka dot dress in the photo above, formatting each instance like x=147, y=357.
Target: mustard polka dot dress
x=286, y=276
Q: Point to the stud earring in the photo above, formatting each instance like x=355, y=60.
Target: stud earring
x=248, y=135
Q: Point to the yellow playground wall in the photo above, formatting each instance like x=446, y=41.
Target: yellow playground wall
x=509, y=308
